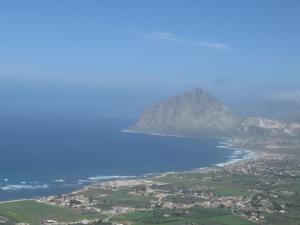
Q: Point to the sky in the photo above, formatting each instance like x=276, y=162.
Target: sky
x=113, y=58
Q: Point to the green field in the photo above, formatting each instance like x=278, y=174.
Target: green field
x=123, y=198
x=228, y=191
x=221, y=186
x=33, y=212
x=270, y=192
x=182, y=216
x=229, y=220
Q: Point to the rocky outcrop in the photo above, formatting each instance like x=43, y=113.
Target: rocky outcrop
x=262, y=126
x=195, y=112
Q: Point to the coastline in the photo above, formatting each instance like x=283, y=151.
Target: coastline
x=244, y=155
x=227, y=144
x=247, y=154
x=17, y=200
x=153, y=133
x=224, y=143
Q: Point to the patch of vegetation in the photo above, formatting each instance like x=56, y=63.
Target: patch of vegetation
x=181, y=180
x=290, y=218
x=33, y=212
x=227, y=191
x=230, y=220
x=181, y=216
x=123, y=198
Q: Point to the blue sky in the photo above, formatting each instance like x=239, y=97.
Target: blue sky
x=115, y=57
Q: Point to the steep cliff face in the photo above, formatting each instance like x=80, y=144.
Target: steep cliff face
x=193, y=112
x=262, y=126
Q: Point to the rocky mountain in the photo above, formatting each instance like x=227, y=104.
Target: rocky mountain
x=261, y=126
x=284, y=106
x=194, y=112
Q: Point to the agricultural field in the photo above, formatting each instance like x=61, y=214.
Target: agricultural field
x=264, y=190
x=34, y=213
x=183, y=216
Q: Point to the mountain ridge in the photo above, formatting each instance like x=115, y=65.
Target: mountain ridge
x=196, y=112
x=193, y=112
x=280, y=106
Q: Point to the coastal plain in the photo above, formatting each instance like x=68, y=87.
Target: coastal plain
x=264, y=189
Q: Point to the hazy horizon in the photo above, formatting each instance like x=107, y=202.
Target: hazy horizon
x=114, y=58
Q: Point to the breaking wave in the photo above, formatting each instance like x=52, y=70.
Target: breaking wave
x=97, y=178
x=237, y=155
x=16, y=187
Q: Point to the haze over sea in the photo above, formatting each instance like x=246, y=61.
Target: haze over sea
x=54, y=155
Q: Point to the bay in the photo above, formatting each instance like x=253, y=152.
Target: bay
x=53, y=155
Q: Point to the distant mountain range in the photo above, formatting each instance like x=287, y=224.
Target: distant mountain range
x=196, y=112
x=282, y=106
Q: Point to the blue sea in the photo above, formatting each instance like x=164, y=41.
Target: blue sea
x=42, y=156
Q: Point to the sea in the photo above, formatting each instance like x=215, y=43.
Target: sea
x=53, y=155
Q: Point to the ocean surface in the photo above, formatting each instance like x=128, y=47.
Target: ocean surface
x=53, y=155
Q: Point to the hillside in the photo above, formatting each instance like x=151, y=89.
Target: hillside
x=193, y=112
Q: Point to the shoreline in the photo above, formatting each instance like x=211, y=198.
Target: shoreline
x=227, y=144
x=224, y=143
x=17, y=200
x=154, y=133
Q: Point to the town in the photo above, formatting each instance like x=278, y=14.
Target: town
x=263, y=189
x=252, y=189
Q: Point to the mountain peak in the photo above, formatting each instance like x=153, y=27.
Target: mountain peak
x=193, y=112
x=196, y=93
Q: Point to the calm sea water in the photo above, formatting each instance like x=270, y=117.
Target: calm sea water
x=44, y=156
